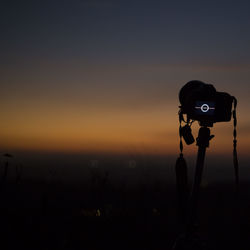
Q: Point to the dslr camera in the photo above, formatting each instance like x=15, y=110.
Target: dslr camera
x=200, y=101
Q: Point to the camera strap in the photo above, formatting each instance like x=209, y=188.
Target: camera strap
x=235, y=156
x=181, y=177
x=180, y=131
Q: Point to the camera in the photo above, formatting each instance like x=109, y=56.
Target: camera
x=200, y=101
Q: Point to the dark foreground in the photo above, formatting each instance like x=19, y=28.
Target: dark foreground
x=114, y=216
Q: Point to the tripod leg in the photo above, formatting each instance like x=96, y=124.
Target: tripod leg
x=203, y=143
x=192, y=213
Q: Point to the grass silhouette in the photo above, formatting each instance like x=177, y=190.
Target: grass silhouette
x=136, y=209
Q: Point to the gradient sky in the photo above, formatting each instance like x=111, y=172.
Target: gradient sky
x=104, y=76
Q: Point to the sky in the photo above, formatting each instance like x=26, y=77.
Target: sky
x=103, y=76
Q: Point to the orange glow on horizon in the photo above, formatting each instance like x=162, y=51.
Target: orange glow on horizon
x=149, y=133
x=77, y=126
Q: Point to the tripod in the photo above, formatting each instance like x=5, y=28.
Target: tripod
x=199, y=102
x=187, y=240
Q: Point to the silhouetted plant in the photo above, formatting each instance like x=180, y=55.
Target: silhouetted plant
x=6, y=166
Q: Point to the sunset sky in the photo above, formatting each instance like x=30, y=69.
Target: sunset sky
x=104, y=76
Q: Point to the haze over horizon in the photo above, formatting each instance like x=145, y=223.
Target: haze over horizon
x=104, y=76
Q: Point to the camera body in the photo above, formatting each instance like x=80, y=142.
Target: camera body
x=201, y=102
